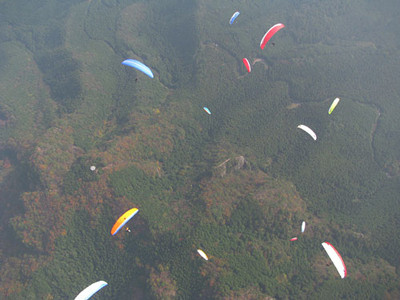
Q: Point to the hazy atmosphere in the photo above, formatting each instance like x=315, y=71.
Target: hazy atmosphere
x=199, y=149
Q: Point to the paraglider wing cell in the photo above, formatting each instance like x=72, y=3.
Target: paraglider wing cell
x=202, y=254
x=274, y=29
x=247, y=64
x=333, y=105
x=91, y=290
x=308, y=130
x=122, y=220
x=336, y=259
x=139, y=66
x=233, y=18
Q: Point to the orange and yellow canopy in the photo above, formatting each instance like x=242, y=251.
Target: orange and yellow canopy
x=122, y=220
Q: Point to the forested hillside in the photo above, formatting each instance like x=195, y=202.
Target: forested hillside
x=236, y=183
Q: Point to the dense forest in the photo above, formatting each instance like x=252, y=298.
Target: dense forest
x=236, y=183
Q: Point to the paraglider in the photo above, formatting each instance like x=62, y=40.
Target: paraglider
x=308, y=130
x=139, y=66
x=122, y=220
x=202, y=254
x=91, y=290
x=207, y=110
x=92, y=168
x=233, y=18
x=303, y=226
x=247, y=64
x=274, y=29
x=333, y=105
x=336, y=259
x=293, y=239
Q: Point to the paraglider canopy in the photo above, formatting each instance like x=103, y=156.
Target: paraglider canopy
x=303, y=226
x=308, y=130
x=92, y=168
x=139, y=66
x=247, y=64
x=202, y=254
x=274, y=29
x=333, y=105
x=233, y=18
x=336, y=259
x=122, y=220
x=293, y=239
x=91, y=290
x=207, y=110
